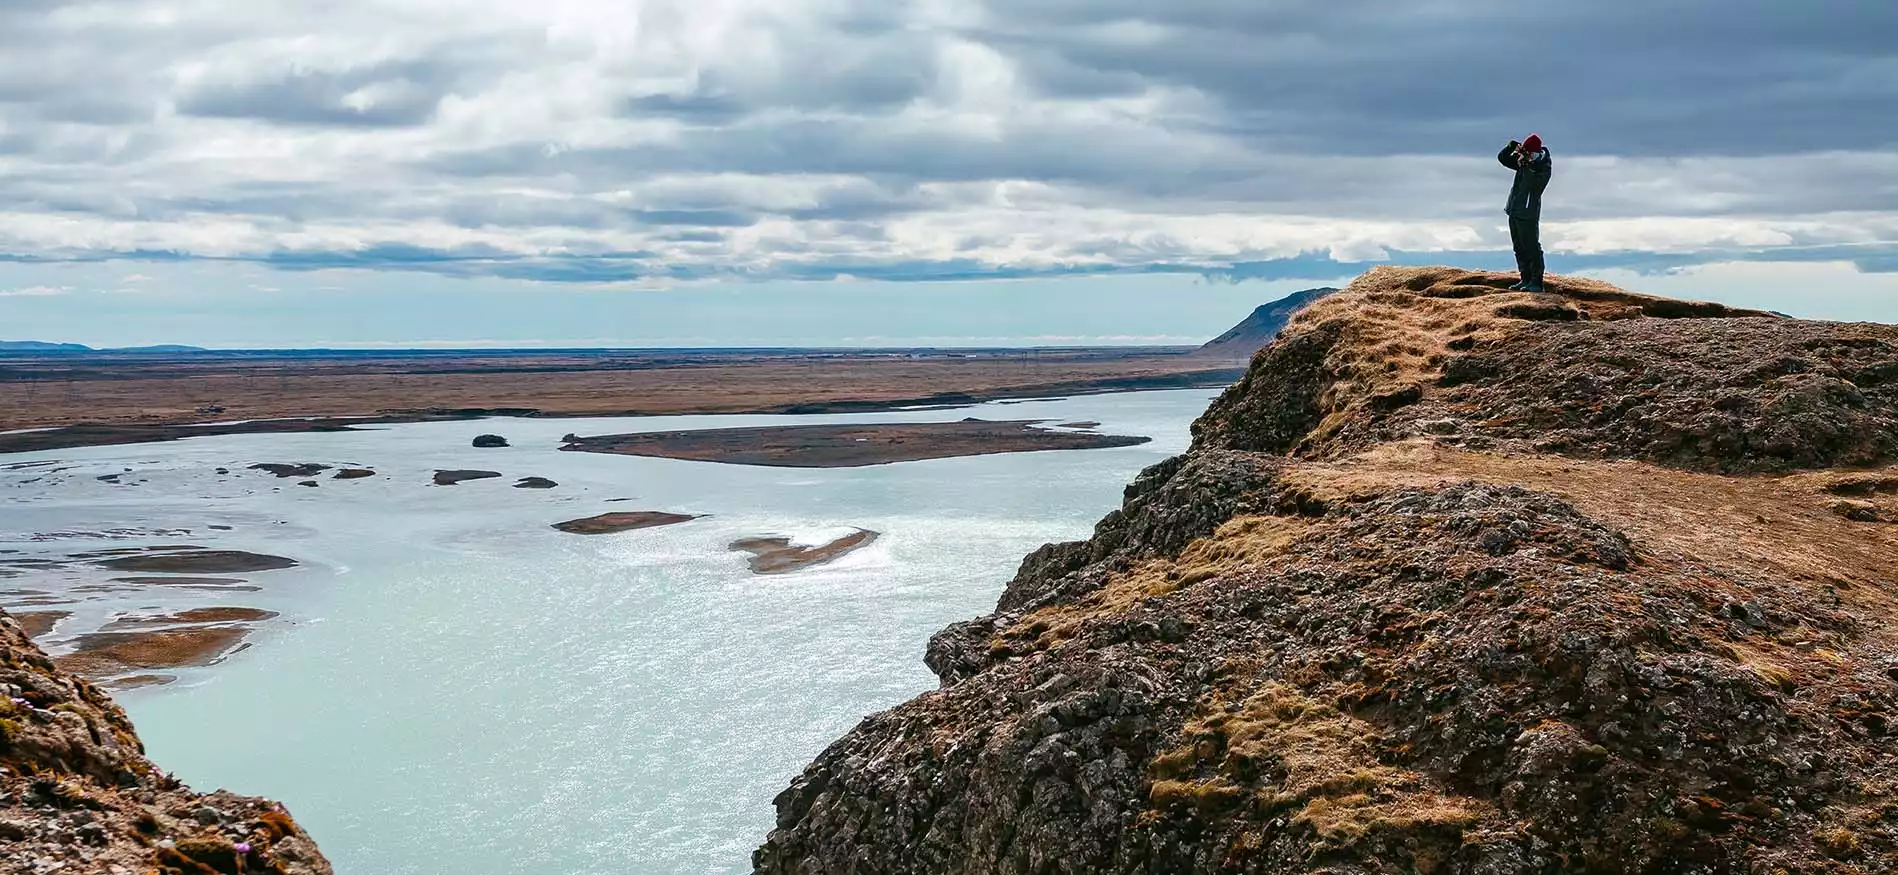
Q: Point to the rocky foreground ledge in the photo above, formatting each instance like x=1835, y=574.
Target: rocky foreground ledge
x=1456, y=580
x=78, y=797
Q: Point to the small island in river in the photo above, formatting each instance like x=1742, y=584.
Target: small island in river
x=195, y=561
x=780, y=556
x=612, y=523
x=450, y=478
x=849, y=446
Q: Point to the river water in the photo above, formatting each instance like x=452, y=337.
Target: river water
x=454, y=687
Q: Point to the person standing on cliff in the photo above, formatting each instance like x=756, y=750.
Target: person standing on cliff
x=1530, y=160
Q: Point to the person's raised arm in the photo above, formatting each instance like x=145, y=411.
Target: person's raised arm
x=1508, y=155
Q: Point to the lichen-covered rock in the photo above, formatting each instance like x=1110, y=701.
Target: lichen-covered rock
x=77, y=793
x=1333, y=639
x=1720, y=394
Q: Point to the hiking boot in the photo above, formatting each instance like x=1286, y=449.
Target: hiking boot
x=1530, y=287
x=1516, y=288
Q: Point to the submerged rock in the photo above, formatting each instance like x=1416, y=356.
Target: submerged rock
x=489, y=441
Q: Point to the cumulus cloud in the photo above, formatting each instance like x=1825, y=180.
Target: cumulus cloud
x=589, y=140
x=34, y=292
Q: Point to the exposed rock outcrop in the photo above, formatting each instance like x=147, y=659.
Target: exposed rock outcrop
x=78, y=796
x=1456, y=580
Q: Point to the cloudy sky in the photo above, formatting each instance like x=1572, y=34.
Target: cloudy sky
x=292, y=172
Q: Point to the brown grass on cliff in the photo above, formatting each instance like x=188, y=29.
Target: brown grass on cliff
x=1403, y=324
x=1783, y=525
x=1583, y=369
x=1324, y=763
x=1241, y=543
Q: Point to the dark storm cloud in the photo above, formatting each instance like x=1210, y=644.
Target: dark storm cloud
x=1679, y=77
x=910, y=139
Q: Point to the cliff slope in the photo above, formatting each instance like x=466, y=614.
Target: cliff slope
x=77, y=795
x=1261, y=327
x=1456, y=580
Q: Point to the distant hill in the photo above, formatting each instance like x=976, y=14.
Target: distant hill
x=44, y=346
x=41, y=346
x=1262, y=327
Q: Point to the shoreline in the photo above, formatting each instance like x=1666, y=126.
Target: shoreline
x=80, y=435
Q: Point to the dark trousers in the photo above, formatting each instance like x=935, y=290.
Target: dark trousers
x=1526, y=236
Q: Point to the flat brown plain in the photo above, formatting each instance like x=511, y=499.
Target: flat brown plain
x=59, y=391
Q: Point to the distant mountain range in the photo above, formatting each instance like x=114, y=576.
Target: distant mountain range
x=1262, y=327
x=43, y=346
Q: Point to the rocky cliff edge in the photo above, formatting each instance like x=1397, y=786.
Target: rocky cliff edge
x=1456, y=580
x=78, y=796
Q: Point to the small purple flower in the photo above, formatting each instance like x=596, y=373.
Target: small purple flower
x=242, y=847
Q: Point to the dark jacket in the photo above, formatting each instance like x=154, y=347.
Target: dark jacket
x=1525, y=197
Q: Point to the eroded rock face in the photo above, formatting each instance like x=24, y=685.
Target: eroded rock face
x=77, y=793
x=1327, y=641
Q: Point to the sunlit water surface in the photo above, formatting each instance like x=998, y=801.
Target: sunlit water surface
x=456, y=688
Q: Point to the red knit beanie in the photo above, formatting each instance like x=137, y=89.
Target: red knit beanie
x=1533, y=143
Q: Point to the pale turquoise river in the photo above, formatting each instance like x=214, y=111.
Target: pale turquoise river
x=454, y=688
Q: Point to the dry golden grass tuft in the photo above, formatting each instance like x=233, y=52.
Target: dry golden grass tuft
x=1278, y=750
x=1784, y=525
x=1401, y=324
x=1781, y=529
x=1239, y=543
